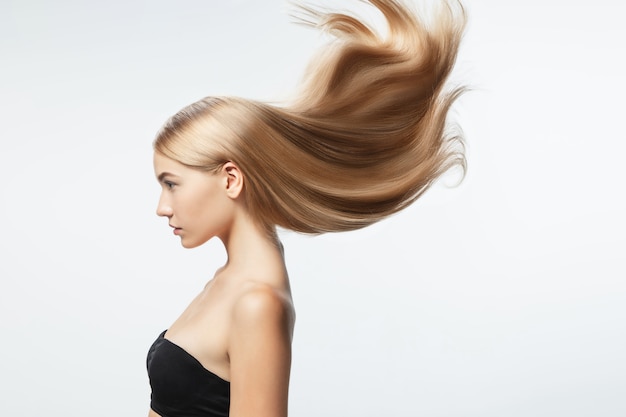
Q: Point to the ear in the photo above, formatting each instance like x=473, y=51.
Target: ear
x=234, y=179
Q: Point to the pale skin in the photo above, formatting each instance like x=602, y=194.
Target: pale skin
x=241, y=324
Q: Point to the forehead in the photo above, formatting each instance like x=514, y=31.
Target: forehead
x=164, y=164
x=167, y=167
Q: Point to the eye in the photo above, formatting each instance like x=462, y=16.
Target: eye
x=169, y=184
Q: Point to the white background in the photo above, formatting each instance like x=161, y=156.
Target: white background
x=505, y=296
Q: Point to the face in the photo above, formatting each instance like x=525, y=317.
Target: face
x=197, y=204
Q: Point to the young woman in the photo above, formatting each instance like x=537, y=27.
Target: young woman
x=365, y=138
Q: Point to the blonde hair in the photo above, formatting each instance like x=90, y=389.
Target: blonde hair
x=365, y=137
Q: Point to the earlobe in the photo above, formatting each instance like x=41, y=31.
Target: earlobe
x=234, y=179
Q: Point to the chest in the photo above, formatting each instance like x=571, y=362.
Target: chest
x=202, y=330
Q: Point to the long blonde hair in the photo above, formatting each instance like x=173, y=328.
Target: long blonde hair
x=365, y=137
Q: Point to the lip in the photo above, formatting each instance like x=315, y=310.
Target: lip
x=176, y=229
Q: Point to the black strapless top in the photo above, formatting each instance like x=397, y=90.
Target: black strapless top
x=181, y=386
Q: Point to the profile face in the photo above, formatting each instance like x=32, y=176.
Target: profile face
x=195, y=202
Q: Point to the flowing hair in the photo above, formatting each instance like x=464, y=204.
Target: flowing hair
x=364, y=138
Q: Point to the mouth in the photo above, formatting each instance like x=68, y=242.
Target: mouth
x=176, y=229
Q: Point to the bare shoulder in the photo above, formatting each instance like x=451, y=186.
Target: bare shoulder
x=261, y=304
x=260, y=351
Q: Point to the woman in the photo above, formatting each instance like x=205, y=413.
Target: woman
x=365, y=138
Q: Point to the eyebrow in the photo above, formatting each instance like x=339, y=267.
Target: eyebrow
x=162, y=175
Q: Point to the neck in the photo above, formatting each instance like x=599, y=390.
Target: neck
x=251, y=250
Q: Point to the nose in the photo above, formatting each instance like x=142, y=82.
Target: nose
x=164, y=208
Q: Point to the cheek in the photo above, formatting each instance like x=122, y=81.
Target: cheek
x=211, y=215
x=217, y=214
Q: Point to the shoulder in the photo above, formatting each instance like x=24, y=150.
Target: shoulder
x=262, y=305
x=259, y=351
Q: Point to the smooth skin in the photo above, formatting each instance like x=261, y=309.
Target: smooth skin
x=240, y=326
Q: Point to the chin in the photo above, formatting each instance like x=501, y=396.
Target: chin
x=190, y=244
x=187, y=245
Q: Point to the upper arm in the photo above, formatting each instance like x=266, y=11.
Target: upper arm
x=260, y=355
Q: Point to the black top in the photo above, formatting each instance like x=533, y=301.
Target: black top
x=181, y=386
